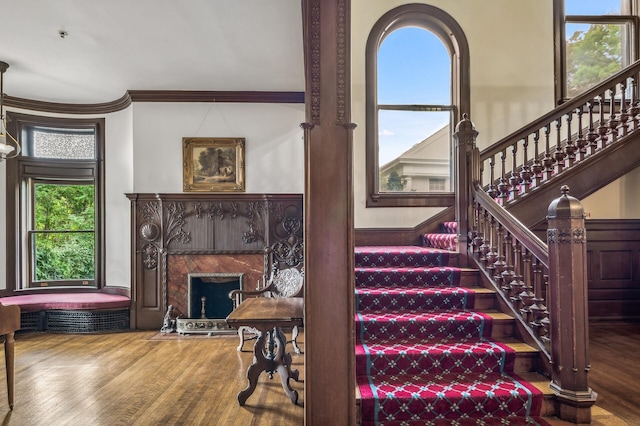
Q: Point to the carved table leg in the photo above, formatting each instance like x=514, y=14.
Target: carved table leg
x=260, y=364
x=294, y=340
x=283, y=363
x=9, y=343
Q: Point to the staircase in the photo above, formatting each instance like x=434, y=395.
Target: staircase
x=430, y=346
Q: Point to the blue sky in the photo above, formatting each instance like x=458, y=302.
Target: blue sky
x=413, y=68
x=591, y=7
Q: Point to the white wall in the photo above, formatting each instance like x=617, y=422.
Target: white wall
x=511, y=67
x=119, y=181
x=274, y=146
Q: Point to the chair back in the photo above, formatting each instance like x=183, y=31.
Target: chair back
x=284, y=267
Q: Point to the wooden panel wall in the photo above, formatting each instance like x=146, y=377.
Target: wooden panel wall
x=175, y=234
x=613, y=256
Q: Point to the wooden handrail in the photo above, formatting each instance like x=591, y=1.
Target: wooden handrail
x=560, y=111
x=534, y=244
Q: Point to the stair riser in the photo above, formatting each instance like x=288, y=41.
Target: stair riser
x=417, y=364
x=410, y=259
x=403, y=301
x=421, y=330
x=417, y=278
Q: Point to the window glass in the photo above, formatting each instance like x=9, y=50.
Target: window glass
x=63, y=145
x=594, y=52
x=592, y=7
x=414, y=67
x=414, y=111
x=63, y=239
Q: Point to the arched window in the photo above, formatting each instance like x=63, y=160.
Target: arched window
x=417, y=89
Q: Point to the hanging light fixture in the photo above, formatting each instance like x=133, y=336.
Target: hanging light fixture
x=5, y=150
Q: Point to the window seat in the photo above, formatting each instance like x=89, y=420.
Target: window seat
x=72, y=312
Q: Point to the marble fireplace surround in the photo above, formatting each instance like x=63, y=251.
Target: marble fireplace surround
x=180, y=266
x=174, y=235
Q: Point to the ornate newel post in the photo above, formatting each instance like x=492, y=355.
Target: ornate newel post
x=465, y=140
x=567, y=305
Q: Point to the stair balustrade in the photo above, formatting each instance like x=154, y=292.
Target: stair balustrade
x=565, y=137
x=534, y=280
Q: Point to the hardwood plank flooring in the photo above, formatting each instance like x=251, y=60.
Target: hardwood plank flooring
x=134, y=379
x=128, y=379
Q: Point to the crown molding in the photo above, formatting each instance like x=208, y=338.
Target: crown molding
x=156, y=96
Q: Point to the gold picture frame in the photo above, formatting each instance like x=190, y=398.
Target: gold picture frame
x=213, y=164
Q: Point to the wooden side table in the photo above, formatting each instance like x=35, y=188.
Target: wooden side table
x=268, y=315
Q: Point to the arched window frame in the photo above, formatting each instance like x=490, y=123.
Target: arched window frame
x=447, y=29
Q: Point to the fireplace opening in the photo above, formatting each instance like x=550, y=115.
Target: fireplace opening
x=209, y=302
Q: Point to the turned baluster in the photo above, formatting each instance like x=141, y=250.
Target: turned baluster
x=592, y=135
x=485, y=246
x=537, y=308
x=516, y=283
x=581, y=142
x=526, y=174
x=545, y=321
x=558, y=154
x=492, y=254
x=492, y=191
x=570, y=148
x=499, y=264
x=514, y=179
x=478, y=226
x=613, y=117
x=634, y=108
x=602, y=128
x=503, y=185
x=548, y=160
x=537, y=166
x=527, y=295
x=507, y=271
x=624, y=112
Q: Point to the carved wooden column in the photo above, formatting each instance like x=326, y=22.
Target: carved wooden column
x=465, y=139
x=329, y=286
x=567, y=304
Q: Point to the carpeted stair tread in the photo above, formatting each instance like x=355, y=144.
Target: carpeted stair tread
x=417, y=357
x=427, y=325
x=400, y=256
x=407, y=276
x=394, y=298
x=447, y=395
x=441, y=241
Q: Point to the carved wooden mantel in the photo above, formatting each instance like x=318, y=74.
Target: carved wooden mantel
x=173, y=235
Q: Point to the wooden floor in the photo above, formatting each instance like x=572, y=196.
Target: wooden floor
x=135, y=379
x=128, y=379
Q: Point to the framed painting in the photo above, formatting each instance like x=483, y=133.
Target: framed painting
x=213, y=164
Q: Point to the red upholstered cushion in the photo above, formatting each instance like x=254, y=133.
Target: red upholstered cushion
x=68, y=301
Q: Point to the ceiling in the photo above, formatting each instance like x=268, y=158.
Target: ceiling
x=113, y=46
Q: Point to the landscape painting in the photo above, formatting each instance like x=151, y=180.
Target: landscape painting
x=213, y=164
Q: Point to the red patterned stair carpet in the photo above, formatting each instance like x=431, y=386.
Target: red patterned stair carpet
x=423, y=356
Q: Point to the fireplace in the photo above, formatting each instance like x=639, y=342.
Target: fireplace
x=208, y=302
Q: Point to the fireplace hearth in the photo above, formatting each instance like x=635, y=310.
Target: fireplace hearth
x=209, y=303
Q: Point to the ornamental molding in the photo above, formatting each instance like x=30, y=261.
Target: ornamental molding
x=567, y=236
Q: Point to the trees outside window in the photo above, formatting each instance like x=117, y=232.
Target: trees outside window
x=599, y=38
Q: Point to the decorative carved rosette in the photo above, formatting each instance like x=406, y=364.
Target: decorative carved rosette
x=150, y=256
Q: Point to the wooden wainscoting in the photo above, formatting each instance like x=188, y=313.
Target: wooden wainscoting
x=613, y=256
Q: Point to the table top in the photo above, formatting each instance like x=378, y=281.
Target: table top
x=267, y=312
